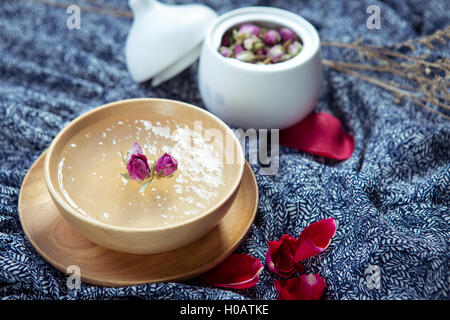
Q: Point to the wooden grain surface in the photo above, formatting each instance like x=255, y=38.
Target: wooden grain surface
x=62, y=246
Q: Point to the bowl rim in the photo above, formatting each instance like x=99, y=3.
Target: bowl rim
x=92, y=221
x=270, y=14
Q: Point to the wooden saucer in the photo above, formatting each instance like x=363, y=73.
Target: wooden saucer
x=62, y=246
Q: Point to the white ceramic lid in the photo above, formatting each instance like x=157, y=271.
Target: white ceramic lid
x=164, y=39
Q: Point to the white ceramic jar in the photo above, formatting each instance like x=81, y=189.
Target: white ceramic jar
x=248, y=95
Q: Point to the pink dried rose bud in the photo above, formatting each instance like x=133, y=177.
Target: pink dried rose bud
x=166, y=165
x=245, y=56
x=249, y=29
x=238, y=49
x=225, y=51
x=253, y=43
x=271, y=37
x=248, y=43
x=137, y=164
x=287, y=34
x=275, y=53
x=295, y=48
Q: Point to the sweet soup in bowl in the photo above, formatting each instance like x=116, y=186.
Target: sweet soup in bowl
x=84, y=165
x=90, y=177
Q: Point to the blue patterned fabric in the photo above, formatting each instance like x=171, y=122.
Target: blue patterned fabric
x=391, y=198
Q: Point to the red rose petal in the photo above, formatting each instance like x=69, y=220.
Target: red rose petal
x=238, y=271
x=320, y=134
x=299, y=267
x=315, y=238
x=280, y=256
x=306, y=287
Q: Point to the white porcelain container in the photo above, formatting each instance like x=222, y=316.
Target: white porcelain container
x=247, y=95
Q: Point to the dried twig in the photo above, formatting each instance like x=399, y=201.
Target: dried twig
x=429, y=80
x=397, y=91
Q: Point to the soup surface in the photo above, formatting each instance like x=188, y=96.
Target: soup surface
x=90, y=166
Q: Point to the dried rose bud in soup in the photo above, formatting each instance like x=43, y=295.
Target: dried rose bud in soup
x=166, y=165
x=137, y=164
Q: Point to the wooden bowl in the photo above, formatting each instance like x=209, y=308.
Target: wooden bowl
x=80, y=145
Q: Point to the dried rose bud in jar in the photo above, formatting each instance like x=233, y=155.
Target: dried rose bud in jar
x=256, y=44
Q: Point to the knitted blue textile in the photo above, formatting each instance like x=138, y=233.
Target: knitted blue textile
x=391, y=198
